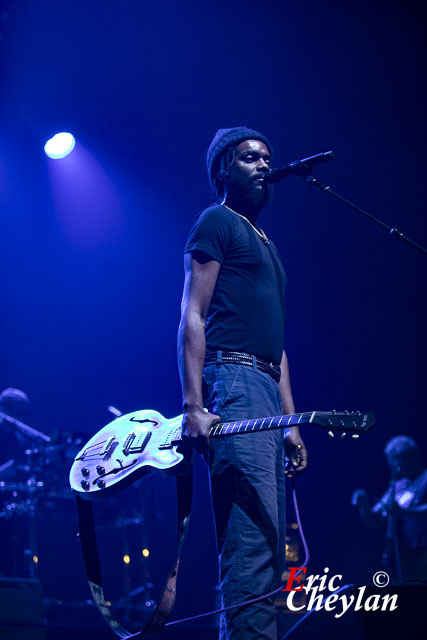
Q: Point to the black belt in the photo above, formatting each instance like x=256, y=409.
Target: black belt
x=236, y=357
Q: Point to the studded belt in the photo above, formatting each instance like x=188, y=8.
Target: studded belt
x=237, y=357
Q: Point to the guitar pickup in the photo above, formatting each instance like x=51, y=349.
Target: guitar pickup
x=172, y=438
x=128, y=441
x=139, y=443
x=167, y=442
x=136, y=443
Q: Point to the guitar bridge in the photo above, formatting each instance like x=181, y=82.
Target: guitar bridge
x=91, y=451
x=109, y=448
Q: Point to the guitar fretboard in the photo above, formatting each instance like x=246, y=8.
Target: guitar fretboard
x=261, y=424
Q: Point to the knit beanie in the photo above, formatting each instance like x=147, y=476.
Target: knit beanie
x=229, y=137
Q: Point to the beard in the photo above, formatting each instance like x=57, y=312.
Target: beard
x=248, y=191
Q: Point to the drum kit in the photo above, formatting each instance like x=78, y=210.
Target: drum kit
x=33, y=484
x=38, y=520
x=38, y=524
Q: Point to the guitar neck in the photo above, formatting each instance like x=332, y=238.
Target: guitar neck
x=261, y=424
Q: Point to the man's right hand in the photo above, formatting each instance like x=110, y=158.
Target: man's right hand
x=195, y=427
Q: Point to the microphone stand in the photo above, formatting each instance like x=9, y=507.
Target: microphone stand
x=304, y=168
x=392, y=542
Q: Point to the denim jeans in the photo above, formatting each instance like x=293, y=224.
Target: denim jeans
x=248, y=497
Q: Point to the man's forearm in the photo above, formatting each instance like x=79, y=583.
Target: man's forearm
x=285, y=387
x=191, y=357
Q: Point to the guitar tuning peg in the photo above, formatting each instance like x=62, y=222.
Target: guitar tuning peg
x=355, y=435
x=344, y=433
x=331, y=434
x=346, y=412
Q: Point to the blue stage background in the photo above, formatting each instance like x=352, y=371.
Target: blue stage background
x=92, y=245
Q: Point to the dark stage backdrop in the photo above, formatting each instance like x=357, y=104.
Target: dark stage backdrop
x=91, y=245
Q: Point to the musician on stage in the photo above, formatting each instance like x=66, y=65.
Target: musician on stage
x=403, y=508
x=232, y=361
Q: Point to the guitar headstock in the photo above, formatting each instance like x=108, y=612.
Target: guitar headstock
x=353, y=422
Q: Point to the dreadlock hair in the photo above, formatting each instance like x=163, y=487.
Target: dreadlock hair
x=223, y=163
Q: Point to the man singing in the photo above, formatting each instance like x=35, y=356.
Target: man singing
x=232, y=361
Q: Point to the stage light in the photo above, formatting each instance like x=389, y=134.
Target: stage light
x=60, y=145
x=145, y=553
x=126, y=559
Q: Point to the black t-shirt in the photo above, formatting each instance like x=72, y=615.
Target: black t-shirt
x=247, y=311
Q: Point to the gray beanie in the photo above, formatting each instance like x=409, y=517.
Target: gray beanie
x=225, y=138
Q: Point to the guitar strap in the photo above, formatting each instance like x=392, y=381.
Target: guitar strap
x=87, y=535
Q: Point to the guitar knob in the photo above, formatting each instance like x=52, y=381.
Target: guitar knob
x=85, y=484
x=101, y=484
x=343, y=434
x=355, y=435
x=85, y=472
x=331, y=434
x=100, y=469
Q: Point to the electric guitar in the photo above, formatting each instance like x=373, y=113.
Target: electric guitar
x=144, y=442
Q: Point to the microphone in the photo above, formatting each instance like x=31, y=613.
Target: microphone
x=298, y=167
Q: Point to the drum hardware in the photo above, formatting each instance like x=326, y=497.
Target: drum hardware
x=33, y=488
x=25, y=429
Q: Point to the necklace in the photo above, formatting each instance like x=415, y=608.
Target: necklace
x=259, y=231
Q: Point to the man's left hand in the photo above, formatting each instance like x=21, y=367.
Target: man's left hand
x=295, y=453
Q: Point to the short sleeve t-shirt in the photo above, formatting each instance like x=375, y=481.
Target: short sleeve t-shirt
x=247, y=311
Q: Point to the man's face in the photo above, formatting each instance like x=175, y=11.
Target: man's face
x=246, y=176
x=400, y=465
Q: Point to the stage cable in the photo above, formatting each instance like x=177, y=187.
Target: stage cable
x=267, y=595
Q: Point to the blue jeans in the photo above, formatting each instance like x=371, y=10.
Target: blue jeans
x=248, y=497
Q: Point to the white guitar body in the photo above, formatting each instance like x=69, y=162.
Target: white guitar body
x=144, y=441
x=139, y=442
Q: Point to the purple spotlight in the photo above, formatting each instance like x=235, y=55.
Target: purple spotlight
x=60, y=145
